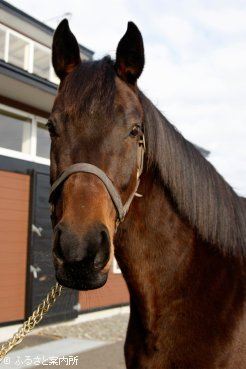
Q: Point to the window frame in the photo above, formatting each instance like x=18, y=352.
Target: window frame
x=35, y=119
x=29, y=59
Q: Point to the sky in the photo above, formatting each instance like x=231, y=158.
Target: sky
x=195, y=70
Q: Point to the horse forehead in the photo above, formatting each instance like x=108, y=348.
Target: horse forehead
x=126, y=98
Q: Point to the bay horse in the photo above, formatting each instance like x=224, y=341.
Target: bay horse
x=125, y=182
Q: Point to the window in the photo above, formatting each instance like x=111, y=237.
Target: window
x=43, y=141
x=26, y=54
x=23, y=136
x=41, y=62
x=15, y=132
x=18, y=52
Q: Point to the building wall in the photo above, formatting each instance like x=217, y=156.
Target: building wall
x=27, y=89
x=113, y=293
x=24, y=193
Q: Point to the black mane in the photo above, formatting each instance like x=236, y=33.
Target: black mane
x=200, y=193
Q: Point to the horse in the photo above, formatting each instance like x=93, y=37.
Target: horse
x=125, y=182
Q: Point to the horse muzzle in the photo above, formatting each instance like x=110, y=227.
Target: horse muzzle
x=80, y=261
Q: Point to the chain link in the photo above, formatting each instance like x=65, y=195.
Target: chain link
x=32, y=321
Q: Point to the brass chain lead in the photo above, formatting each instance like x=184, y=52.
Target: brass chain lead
x=32, y=321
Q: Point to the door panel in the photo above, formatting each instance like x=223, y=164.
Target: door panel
x=42, y=274
x=14, y=218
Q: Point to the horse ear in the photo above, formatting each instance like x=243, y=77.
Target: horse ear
x=65, y=50
x=130, y=54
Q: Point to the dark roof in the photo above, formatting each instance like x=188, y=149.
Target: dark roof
x=36, y=23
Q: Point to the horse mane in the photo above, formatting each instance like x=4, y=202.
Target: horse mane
x=200, y=194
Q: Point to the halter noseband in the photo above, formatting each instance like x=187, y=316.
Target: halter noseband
x=114, y=194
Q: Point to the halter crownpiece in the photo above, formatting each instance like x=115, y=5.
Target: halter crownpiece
x=114, y=194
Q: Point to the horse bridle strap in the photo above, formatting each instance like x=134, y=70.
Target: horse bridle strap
x=92, y=169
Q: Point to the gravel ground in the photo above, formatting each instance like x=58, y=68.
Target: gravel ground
x=111, y=329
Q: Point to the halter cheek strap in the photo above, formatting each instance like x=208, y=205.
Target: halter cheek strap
x=114, y=194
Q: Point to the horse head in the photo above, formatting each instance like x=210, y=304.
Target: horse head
x=96, y=123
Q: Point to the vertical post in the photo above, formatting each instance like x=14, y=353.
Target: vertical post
x=33, y=138
x=29, y=57
x=26, y=137
x=6, y=49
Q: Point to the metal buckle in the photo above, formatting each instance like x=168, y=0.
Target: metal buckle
x=142, y=143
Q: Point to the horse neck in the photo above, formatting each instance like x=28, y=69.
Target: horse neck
x=171, y=273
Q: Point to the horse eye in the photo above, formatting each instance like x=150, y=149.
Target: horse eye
x=136, y=130
x=51, y=128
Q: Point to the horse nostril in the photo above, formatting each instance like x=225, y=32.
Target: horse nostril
x=67, y=245
x=91, y=249
x=57, y=246
x=103, y=253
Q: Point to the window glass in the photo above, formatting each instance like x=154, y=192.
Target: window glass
x=18, y=51
x=2, y=43
x=43, y=141
x=15, y=132
x=41, y=62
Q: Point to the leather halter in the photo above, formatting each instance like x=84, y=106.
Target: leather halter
x=114, y=194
